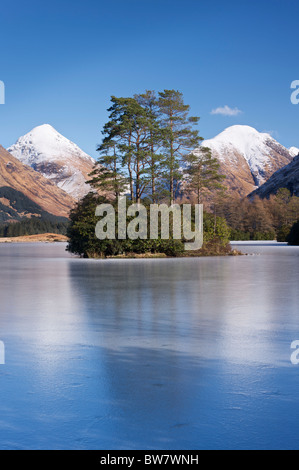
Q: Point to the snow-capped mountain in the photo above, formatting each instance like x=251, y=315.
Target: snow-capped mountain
x=294, y=151
x=247, y=157
x=56, y=158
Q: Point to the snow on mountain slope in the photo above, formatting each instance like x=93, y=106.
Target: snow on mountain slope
x=286, y=177
x=56, y=158
x=247, y=157
x=294, y=151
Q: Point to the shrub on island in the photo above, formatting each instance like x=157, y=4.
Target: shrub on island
x=84, y=242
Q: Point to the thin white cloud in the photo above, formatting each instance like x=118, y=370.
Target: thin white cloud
x=226, y=111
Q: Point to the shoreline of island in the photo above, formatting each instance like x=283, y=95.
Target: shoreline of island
x=40, y=238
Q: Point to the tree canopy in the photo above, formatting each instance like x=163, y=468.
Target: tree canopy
x=146, y=145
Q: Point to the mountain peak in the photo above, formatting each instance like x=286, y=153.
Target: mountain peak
x=49, y=142
x=56, y=158
x=44, y=127
x=241, y=137
x=241, y=128
x=247, y=157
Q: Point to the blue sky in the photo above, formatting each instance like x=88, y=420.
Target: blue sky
x=62, y=60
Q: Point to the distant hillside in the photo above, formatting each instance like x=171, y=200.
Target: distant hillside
x=35, y=187
x=15, y=206
x=287, y=177
x=21, y=216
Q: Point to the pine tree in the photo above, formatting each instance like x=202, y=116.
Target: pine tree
x=202, y=173
x=108, y=175
x=148, y=101
x=128, y=134
x=180, y=138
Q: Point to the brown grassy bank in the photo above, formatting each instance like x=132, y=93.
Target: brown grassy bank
x=41, y=238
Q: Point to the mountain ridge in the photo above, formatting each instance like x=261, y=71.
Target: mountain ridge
x=287, y=177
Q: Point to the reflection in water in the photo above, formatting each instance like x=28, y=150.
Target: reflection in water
x=164, y=354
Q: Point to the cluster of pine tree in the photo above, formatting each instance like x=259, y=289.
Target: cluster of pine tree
x=34, y=226
x=149, y=149
x=150, y=152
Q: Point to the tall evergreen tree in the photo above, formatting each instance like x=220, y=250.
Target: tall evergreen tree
x=128, y=134
x=149, y=102
x=202, y=173
x=108, y=175
x=180, y=137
